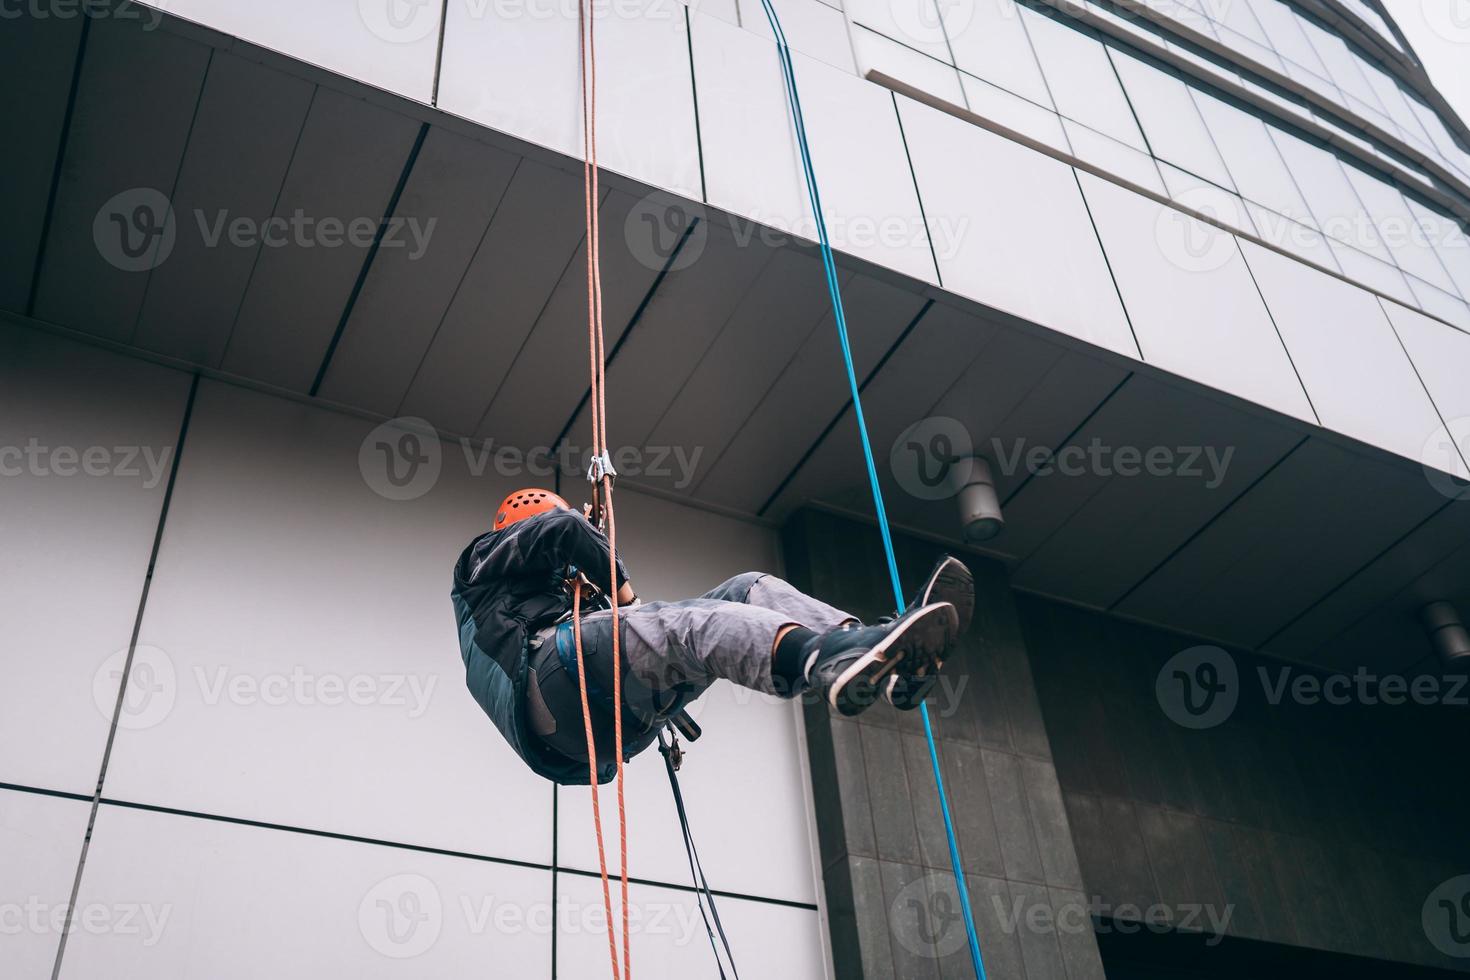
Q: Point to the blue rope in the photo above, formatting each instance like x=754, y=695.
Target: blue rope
x=829, y=265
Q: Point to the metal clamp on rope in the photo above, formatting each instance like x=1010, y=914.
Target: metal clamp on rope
x=601, y=466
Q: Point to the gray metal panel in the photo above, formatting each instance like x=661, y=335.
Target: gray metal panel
x=548, y=376
x=692, y=307
x=1094, y=534
x=38, y=53
x=1020, y=392
x=124, y=150
x=447, y=204
x=1190, y=298
x=529, y=245
x=787, y=302
x=241, y=145
x=1279, y=556
x=298, y=290
x=806, y=396
x=943, y=344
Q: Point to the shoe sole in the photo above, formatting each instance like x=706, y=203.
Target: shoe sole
x=926, y=632
x=950, y=582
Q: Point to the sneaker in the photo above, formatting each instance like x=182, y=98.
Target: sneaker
x=950, y=582
x=847, y=665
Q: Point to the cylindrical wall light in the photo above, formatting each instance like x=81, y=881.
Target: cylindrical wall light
x=980, y=515
x=1447, y=634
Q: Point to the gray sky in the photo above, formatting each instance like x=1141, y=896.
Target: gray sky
x=1439, y=30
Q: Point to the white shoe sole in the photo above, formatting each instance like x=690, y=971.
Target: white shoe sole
x=925, y=632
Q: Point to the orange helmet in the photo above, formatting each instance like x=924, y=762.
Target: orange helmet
x=527, y=503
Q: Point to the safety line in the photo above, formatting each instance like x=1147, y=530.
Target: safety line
x=829, y=265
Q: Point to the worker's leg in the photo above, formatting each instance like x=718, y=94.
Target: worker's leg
x=771, y=592
x=695, y=642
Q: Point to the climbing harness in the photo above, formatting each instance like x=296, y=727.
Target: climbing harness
x=829, y=266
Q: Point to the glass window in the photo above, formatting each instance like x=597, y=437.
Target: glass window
x=1331, y=198
x=1401, y=233
x=1238, y=16
x=1169, y=118
x=1365, y=269
x=1448, y=239
x=1081, y=78
x=1439, y=303
x=989, y=42
x=1284, y=30
x=1251, y=157
x=1253, y=50
x=1391, y=97
x=1342, y=64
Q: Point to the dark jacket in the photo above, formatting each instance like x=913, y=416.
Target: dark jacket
x=508, y=584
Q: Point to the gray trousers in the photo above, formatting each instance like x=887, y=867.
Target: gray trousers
x=726, y=633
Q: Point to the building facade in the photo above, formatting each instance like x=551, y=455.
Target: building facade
x=292, y=295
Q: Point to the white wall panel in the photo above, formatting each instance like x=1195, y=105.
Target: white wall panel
x=1011, y=230
x=86, y=441
x=388, y=45
x=1441, y=355
x=40, y=843
x=1355, y=371
x=284, y=577
x=933, y=77
x=753, y=167
x=514, y=67
x=233, y=902
x=811, y=27
x=668, y=937
x=1190, y=297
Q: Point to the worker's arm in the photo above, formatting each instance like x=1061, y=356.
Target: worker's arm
x=550, y=542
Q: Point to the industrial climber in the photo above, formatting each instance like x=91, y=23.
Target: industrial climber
x=513, y=601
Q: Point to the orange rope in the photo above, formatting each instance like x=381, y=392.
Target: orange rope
x=602, y=493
